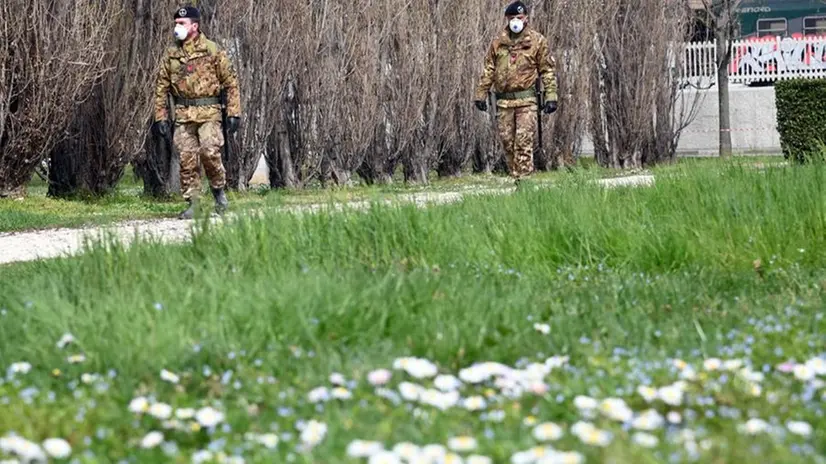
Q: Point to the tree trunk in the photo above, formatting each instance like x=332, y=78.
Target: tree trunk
x=723, y=59
x=159, y=168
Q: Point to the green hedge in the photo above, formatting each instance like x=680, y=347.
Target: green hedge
x=801, y=117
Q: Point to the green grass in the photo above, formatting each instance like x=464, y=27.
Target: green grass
x=127, y=202
x=255, y=315
x=39, y=211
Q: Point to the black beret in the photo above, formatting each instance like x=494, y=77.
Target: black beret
x=516, y=8
x=187, y=12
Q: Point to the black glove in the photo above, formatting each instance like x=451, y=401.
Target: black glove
x=161, y=129
x=232, y=124
x=481, y=105
x=550, y=107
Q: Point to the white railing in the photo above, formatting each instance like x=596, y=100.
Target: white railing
x=756, y=60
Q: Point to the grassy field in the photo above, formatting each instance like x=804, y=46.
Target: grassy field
x=676, y=323
x=38, y=211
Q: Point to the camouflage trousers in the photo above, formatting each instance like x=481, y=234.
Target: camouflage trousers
x=517, y=129
x=200, y=143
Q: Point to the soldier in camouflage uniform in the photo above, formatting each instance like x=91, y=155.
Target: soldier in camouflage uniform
x=513, y=62
x=194, y=71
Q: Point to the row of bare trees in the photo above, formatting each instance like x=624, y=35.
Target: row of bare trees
x=331, y=89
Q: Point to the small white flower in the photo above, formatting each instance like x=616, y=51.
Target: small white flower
x=616, y=409
x=379, y=377
x=533, y=455
x=410, y=391
x=562, y=457
x=732, y=364
x=341, y=393
x=674, y=417
x=169, y=376
x=269, y=440
x=406, y=450
x=463, y=443
x=799, y=428
x=581, y=427
x=648, y=420
x=556, y=361
x=712, y=364
x=76, y=359
x=201, y=456
x=474, y=403
x=416, y=367
x=447, y=383
x=452, y=458
x=547, y=431
x=478, y=459
x=364, y=448
x=161, y=411
x=25, y=450
x=440, y=399
x=751, y=376
x=434, y=452
x=595, y=437
x=20, y=368
x=754, y=426
x=585, y=402
x=384, y=457
x=65, y=340
x=817, y=365
x=313, y=433
x=671, y=395
x=88, y=378
x=139, y=405
x=337, y=379
x=646, y=440
x=185, y=413
x=209, y=417
x=544, y=329
x=57, y=448
x=318, y=394
x=803, y=372
x=647, y=393
x=152, y=439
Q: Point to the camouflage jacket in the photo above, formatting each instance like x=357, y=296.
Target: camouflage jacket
x=513, y=64
x=197, y=69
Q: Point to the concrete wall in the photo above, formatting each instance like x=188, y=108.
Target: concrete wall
x=753, y=123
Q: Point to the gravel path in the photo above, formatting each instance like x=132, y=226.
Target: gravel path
x=52, y=243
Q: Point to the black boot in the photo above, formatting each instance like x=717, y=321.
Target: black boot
x=221, y=202
x=190, y=211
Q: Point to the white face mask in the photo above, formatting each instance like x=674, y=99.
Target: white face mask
x=181, y=32
x=516, y=25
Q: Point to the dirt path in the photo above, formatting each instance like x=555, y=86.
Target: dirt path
x=52, y=243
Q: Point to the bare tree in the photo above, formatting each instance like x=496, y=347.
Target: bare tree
x=108, y=130
x=53, y=52
x=722, y=14
x=634, y=89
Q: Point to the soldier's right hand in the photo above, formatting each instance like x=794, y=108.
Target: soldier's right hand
x=161, y=128
x=481, y=105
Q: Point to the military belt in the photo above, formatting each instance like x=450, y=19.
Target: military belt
x=515, y=95
x=197, y=101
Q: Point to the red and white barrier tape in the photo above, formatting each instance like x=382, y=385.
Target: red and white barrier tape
x=738, y=129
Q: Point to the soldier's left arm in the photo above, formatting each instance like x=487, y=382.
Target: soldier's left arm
x=547, y=70
x=229, y=81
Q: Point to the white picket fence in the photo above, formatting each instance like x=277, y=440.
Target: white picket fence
x=756, y=60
